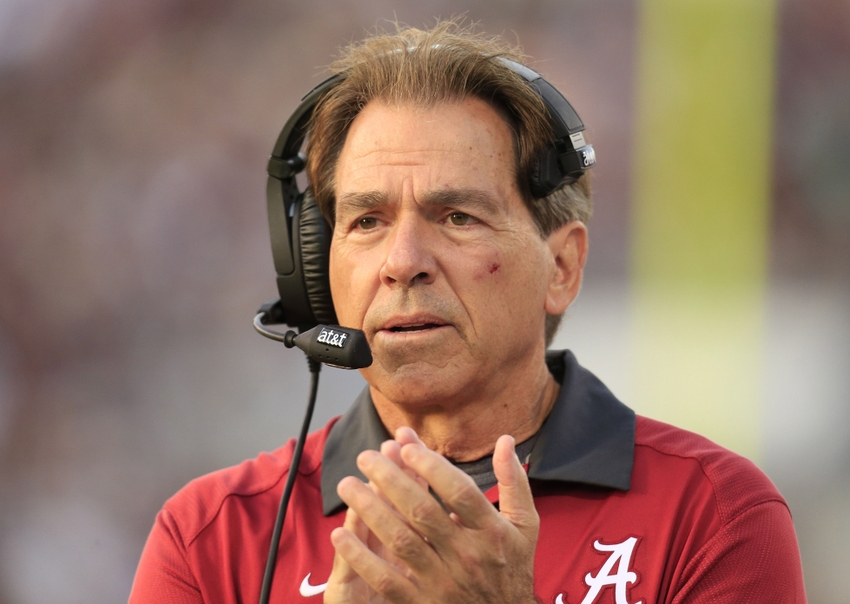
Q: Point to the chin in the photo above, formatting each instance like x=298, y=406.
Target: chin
x=418, y=383
x=410, y=357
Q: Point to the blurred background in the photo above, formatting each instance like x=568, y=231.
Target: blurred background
x=134, y=248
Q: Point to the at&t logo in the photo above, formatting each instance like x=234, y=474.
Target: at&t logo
x=332, y=338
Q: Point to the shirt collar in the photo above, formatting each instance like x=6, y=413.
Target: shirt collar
x=587, y=438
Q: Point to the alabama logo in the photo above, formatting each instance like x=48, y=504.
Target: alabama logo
x=620, y=556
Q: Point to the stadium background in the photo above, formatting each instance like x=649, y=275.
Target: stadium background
x=133, y=247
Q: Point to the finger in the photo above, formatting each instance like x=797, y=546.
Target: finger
x=516, y=502
x=344, y=584
x=407, y=436
x=381, y=576
x=357, y=527
x=386, y=521
x=455, y=488
x=408, y=494
x=392, y=450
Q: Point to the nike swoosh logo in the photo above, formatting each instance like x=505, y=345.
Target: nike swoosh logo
x=308, y=590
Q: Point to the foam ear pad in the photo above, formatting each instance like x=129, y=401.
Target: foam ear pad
x=315, y=236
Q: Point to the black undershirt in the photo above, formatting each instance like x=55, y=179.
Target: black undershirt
x=481, y=470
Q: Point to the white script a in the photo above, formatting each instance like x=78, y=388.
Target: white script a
x=621, y=555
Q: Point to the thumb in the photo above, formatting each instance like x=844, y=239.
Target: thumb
x=516, y=503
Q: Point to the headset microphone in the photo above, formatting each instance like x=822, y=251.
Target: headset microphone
x=336, y=346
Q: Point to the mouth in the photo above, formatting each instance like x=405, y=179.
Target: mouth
x=416, y=327
x=413, y=324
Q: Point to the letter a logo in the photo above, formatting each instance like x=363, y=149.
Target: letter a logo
x=621, y=556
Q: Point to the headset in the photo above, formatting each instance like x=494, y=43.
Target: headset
x=300, y=235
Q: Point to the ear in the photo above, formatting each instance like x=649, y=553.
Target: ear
x=568, y=245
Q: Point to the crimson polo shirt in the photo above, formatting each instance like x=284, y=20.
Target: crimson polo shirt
x=632, y=511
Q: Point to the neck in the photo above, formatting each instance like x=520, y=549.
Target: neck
x=467, y=430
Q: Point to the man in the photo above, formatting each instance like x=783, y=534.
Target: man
x=512, y=475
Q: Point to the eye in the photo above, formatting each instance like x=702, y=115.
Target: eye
x=367, y=222
x=461, y=219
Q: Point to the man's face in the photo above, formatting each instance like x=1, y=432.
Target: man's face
x=434, y=255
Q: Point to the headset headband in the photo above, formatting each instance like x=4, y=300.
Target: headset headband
x=569, y=157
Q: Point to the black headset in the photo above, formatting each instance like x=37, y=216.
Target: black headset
x=301, y=236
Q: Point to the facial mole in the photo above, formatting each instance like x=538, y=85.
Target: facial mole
x=494, y=268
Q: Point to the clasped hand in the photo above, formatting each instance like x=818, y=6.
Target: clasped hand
x=399, y=545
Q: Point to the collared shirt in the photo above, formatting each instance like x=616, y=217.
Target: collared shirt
x=632, y=511
x=588, y=437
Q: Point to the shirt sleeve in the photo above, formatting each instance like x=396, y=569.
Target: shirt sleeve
x=164, y=575
x=753, y=558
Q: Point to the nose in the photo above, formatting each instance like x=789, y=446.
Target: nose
x=409, y=256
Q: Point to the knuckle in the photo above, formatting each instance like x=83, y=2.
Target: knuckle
x=499, y=532
x=465, y=491
x=523, y=518
x=405, y=544
x=470, y=559
x=421, y=512
x=388, y=585
x=384, y=584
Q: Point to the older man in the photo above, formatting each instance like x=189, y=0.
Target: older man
x=512, y=475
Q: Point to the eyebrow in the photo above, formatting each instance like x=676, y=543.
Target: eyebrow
x=473, y=199
x=463, y=199
x=360, y=201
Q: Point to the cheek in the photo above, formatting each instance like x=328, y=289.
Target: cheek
x=354, y=281
x=337, y=287
x=488, y=266
x=346, y=288
x=516, y=273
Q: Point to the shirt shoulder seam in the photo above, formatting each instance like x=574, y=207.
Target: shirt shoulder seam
x=224, y=498
x=735, y=513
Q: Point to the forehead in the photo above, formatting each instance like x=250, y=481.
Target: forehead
x=457, y=144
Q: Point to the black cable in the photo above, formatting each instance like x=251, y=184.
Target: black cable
x=271, y=561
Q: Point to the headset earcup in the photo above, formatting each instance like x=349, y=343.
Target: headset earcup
x=315, y=240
